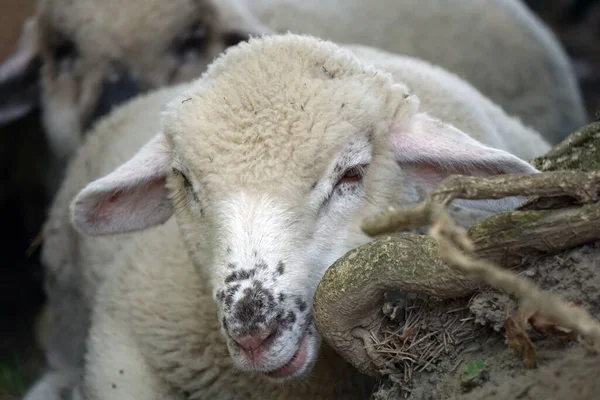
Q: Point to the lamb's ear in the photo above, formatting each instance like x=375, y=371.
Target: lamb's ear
x=19, y=76
x=131, y=198
x=429, y=150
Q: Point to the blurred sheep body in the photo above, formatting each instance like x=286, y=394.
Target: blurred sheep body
x=93, y=58
x=403, y=117
x=70, y=286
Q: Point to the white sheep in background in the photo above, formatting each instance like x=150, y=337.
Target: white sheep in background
x=96, y=54
x=268, y=162
x=71, y=288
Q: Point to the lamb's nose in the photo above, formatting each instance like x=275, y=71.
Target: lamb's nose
x=256, y=344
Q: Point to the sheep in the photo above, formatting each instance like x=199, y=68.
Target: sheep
x=63, y=322
x=93, y=57
x=267, y=161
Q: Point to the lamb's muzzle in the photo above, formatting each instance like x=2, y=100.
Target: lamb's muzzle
x=256, y=342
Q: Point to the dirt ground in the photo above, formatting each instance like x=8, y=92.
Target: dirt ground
x=477, y=364
x=480, y=366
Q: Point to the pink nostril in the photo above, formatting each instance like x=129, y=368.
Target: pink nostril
x=253, y=345
x=250, y=343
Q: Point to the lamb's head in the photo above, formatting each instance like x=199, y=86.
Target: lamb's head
x=268, y=162
x=90, y=55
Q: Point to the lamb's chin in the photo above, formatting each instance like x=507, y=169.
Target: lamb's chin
x=297, y=365
x=301, y=362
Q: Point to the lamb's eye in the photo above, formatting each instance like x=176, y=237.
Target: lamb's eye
x=186, y=181
x=64, y=52
x=352, y=175
x=185, y=195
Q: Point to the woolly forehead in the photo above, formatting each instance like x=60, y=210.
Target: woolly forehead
x=110, y=26
x=266, y=121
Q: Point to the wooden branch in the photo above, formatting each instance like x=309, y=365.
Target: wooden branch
x=349, y=296
x=580, y=152
x=510, y=237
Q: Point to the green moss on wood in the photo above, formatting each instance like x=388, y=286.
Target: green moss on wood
x=580, y=151
x=505, y=226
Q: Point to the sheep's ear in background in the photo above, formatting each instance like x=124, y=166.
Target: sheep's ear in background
x=19, y=76
x=429, y=150
x=132, y=197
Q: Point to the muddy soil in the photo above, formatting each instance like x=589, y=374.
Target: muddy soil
x=484, y=366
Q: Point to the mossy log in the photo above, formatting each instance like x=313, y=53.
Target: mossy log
x=580, y=152
x=565, y=214
x=349, y=297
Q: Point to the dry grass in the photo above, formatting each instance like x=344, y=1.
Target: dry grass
x=430, y=331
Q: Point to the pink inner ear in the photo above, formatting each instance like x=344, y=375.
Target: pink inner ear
x=432, y=169
x=449, y=152
x=432, y=175
x=104, y=209
x=123, y=204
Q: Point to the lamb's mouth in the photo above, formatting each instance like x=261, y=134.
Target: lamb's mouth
x=296, y=363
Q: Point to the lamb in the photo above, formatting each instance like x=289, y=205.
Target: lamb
x=321, y=135
x=93, y=58
x=64, y=321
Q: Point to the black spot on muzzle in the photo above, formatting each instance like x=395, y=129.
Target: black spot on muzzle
x=251, y=311
x=115, y=90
